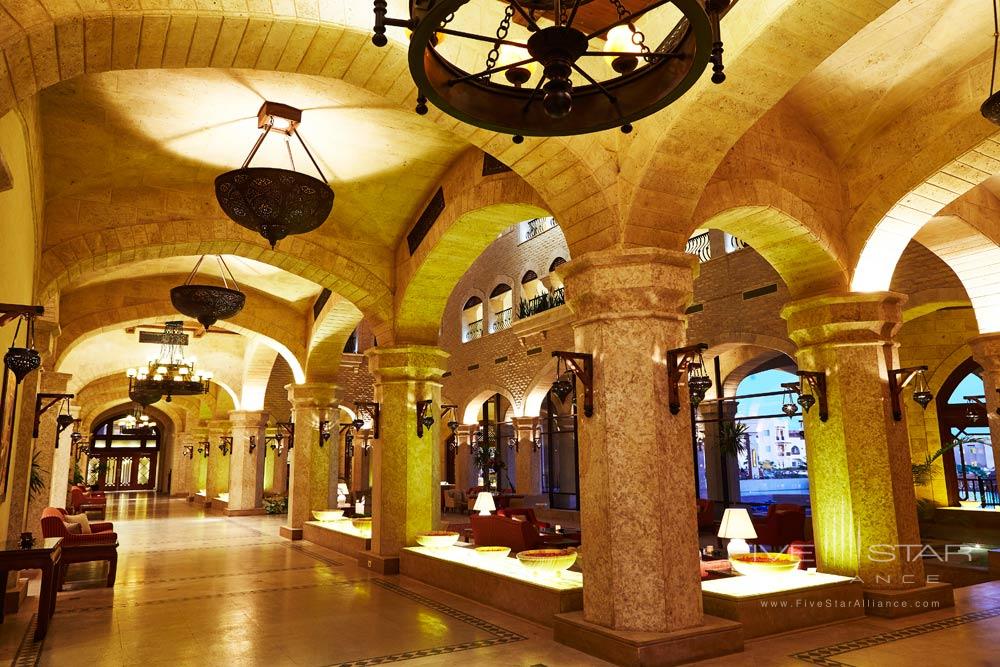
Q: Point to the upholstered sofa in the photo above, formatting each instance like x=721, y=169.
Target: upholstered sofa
x=784, y=524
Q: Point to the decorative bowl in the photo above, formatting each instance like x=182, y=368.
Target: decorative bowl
x=547, y=560
x=764, y=563
x=328, y=515
x=493, y=552
x=437, y=539
x=363, y=525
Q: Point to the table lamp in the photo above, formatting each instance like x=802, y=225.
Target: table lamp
x=737, y=528
x=342, y=493
x=484, y=503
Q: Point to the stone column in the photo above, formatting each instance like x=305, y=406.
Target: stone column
x=860, y=481
x=358, y=480
x=406, y=488
x=182, y=476
x=465, y=467
x=986, y=352
x=279, y=475
x=246, y=468
x=62, y=464
x=312, y=403
x=637, y=491
x=45, y=453
x=528, y=465
x=217, y=465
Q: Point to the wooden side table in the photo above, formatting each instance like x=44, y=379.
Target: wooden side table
x=44, y=556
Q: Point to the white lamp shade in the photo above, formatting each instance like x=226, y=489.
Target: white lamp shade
x=484, y=503
x=736, y=525
x=342, y=489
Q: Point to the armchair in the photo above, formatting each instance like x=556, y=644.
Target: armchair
x=784, y=524
x=527, y=513
x=81, y=500
x=95, y=526
x=498, y=531
x=102, y=546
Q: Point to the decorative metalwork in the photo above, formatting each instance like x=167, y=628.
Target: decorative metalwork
x=41, y=407
x=270, y=201
x=204, y=448
x=898, y=380
x=373, y=412
x=209, y=303
x=991, y=107
x=325, y=431
x=541, y=303
x=21, y=360
x=581, y=366
x=811, y=388
x=169, y=374
x=225, y=444
x=424, y=418
x=687, y=360
x=642, y=82
x=137, y=422
x=189, y=451
x=700, y=245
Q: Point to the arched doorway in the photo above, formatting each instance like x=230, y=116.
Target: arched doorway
x=560, y=451
x=123, y=455
x=969, y=466
x=492, y=451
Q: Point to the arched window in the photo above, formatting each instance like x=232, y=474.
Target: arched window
x=472, y=319
x=556, y=263
x=123, y=457
x=556, y=281
x=502, y=307
x=351, y=346
x=969, y=467
x=532, y=290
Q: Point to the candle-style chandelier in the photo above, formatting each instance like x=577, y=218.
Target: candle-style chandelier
x=137, y=422
x=169, y=373
x=557, y=67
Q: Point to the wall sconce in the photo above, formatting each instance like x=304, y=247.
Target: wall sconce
x=289, y=429
x=63, y=420
x=687, y=359
x=325, y=432
x=253, y=443
x=424, y=418
x=372, y=411
x=203, y=448
x=899, y=378
x=226, y=444
x=581, y=365
x=21, y=360
x=811, y=389
x=41, y=409
x=75, y=437
x=276, y=441
x=189, y=451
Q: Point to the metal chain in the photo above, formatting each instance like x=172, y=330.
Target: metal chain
x=638, y=37
x=494, y=54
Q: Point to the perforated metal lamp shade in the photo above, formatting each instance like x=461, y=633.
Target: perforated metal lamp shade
x=207, y=303
x=21, y=361
x=274, y=202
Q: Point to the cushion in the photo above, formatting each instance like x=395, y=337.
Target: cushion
x=73, y=528
x=520, y=518
x=81, y=520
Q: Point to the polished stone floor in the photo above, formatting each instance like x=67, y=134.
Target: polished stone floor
x=196, y=589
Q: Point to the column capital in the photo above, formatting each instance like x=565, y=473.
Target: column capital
x=844, y=319
x=218, y=425
x=407, y=363
x=525, y=423
x=51, y=382
x=634, y=283
x=313, y=395
x=986, y=351
x=248, y=418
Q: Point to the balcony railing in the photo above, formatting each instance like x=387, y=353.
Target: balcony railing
x=734, y=244
x=980, y=490
x=701, y=246
x=503, y=319
x=541, y=303
x=533, y=228
x=473, y=330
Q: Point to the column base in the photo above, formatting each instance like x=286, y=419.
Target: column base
x=290, y=533
x=909, y=601
x=381, y=564
x=715, y=637
x=253, y=511
x=14, y=597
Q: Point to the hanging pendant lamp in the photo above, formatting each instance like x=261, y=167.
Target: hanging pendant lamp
x=23, y=360
x=991, y=107
x=270, y=201
x=209, y=303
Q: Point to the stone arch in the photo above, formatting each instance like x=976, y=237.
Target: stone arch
x=469, y=409
x=111, y=391
x=742, y=361
x=788, y=232
x=539, y=388
x=338, y=319
x=257, y=364
x=473, y=216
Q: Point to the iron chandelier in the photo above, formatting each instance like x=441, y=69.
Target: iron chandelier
x=270, y=201
x=137, y=422
x=558, y=81
x=168, y=374
x=209, y=303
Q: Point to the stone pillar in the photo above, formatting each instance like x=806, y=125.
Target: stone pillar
x=637, y=491
x=62, y=464
x=45, y=453
x=217, y=465
x=246, y=468
x=359, y=481
x=406, y=487
x=182, y=477
x=466, y=475
x=528, y=462
x=279, y=475
x=986, y=352
x=312, y=404
x=860, y=481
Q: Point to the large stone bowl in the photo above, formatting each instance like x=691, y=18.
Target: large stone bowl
x=328, y=515
x=547, y=561
x=363, y=525
x=437, y=539
x=764, y=563
x=493, y=553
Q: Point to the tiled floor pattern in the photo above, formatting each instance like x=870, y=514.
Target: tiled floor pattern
x=197, y=589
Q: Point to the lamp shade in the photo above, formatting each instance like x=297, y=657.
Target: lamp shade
x=484, y=503
x=342, y=489
x=736, y=524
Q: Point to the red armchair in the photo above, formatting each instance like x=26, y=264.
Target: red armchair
x=785, y=523
x=81, y=500
x=98, y=546
x=95, y=526
x=526, y=512
x=706, y=514
x=498, y=531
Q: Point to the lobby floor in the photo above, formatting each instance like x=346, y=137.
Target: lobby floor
x=197, y=589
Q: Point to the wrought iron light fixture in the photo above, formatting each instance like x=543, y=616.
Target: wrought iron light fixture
x=137, y=422
x=43, y=403
x=225, y=444
x=687, y=360
x=325, y=431
x=209, y=303
x=898, y=380
x=581, y=367
x=788, y=404
x=169, y=373
x=270, y=201
x=991, y=107
x=576, y=92
x=204, y=448
x=372, y=411
x=811, y=389
x=21, y=360
x=253, y=443
x=189, y=451
x=424, y=417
